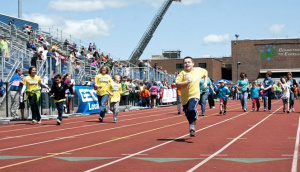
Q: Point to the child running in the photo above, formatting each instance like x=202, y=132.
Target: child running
x=189, y=80
x=285, y=93
x=223, y=95
x=57, y=92
x=115, y=92
x=255, y=96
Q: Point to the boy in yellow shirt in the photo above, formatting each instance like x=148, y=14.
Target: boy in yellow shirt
x=115, y=92
x=188, y=80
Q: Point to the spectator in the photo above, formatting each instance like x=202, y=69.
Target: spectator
x=36, y=57
x=4, y=47
x=145, y=95
x=15, y=89
x=25, y=28
x=96, y=55
x=153, y=91
x=125, y=89
x=12, y=24
x=90, y=47
x=30, y=31
x=94, y=46
x=89, y=55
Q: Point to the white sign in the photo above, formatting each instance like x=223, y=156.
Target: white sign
x=169, y=96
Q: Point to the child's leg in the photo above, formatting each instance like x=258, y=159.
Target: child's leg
x=257, y=103
x=225, y=105
x=115, y=110
x=253, y=103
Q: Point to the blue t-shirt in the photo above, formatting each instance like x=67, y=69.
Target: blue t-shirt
x=223, y=91
x=254, y=92
x=202, y=85
x=15, y=83
x=243, y=84
x=268, y=82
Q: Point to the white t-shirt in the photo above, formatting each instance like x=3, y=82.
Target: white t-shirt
x=285, y=91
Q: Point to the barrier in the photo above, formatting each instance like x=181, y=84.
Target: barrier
x=169, y=95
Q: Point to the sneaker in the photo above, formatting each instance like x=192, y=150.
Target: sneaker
x=40, y=121
x=269, y=110
x=220, y=112
x=265, y=109
x=34, y=121
x=293, y=110
x=245, y=110
x=213, y=107
x=224, y=112
x=179, y=112
x=288, y=111
x=202, y=114
x=100, y=119
x=257, y=109
x=58, y=122
x=253, y=109
x=115, y=120
x=192, y=133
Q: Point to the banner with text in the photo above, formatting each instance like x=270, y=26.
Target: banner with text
x=169, y=95
x=88, y=101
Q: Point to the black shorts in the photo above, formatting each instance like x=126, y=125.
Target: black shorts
x=153, y=96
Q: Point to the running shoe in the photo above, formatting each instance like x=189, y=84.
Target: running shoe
x=288, y=111
x=115, y=120
x=293, y=109
x=257, y=109
x=34, y=121
x=253, y=109
x=265, y=109
x=202, y=115
x=40, y=121
x=100, y=119
x=192, y=133
x=58, y=122
x=245, y=110
x=179, y=112
x=220, y=112
x=224, y=112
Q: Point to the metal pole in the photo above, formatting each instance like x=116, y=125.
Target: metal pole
x=6, y=97
x=20, y=9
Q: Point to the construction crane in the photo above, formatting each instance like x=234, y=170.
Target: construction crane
x=138, y=51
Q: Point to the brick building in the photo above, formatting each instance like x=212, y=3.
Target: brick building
x=254, y=57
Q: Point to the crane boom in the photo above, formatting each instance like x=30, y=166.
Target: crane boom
x=138, y=51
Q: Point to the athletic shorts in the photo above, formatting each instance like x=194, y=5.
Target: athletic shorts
x=153, y=96
x=223, y=101
x=285, y=101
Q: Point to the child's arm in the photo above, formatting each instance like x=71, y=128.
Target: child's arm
x=124, y=92
x=110, y=93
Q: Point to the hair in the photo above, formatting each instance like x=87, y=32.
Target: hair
x=155, y=83
x=30, y=69
x=283, y=77
x=253, y=83
x=107, y=69
x=188, y=57
x=58, y=76
x=145, y=87
x=289, y=73
x=269, y=73
x=18, y=70
x=243, y=73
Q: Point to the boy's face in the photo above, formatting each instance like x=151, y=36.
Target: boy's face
x=188, y=64
x=222, y=84
x=117, y=78
x=57, y=80
x=253, y=85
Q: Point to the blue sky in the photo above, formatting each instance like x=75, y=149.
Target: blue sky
x=196, y=27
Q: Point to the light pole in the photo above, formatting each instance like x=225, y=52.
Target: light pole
x=238, y=63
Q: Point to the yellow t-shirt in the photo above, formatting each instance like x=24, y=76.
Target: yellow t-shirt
x=116, y=89
x=32, y=82
x=104, y=81
x=191, y=90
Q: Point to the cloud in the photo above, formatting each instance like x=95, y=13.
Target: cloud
x=83, y=29
x=276, y=28
x=85, y=5
x=158, y=3
x=213, y=39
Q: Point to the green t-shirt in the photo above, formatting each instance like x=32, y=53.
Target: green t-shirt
x=124, y=88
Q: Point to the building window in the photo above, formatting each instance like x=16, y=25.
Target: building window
x=179, y=66
x=202, y=65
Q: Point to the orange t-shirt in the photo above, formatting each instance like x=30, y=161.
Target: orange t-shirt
x=145, y=93
x=179, y=91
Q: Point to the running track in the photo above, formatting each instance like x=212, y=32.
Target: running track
x=157, y=140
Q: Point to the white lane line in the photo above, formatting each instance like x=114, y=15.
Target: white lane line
x=206, y=155
x=295, y=157
x=59, y=153
x=51, y=131
x=108, y=129
x=157, y=146
x=138, y=154
x=87, y=116
x=230, y=143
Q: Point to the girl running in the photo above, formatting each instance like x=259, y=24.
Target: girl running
x=223, y=95
x=255, y=96
x=243, y=85
x=205, y=93
x=285, y=93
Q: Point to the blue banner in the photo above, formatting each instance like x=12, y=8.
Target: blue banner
x=88, y=101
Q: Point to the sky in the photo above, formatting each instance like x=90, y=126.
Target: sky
x=198, y=28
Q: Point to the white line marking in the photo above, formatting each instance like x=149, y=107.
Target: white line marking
x=154, y=147
x=211, y=154
x=230, y=143
x=108, y=129
x=295, y=157
x=137, y=154
x=59, y=153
